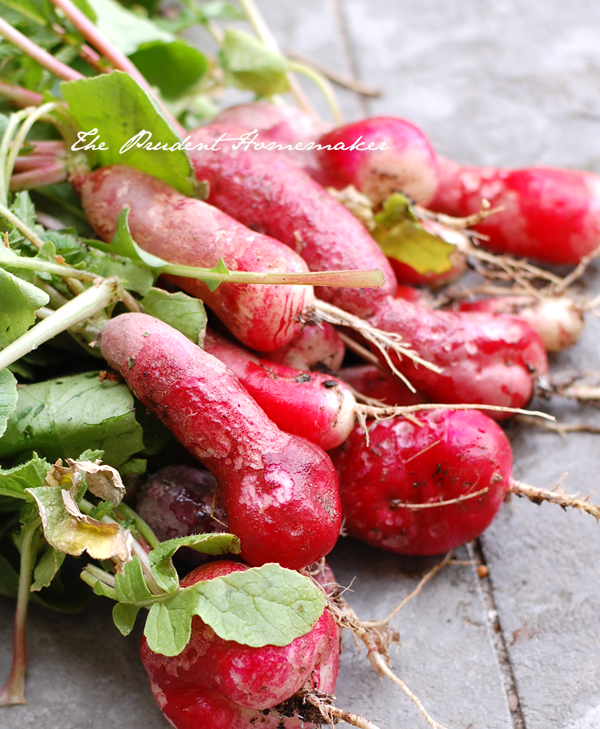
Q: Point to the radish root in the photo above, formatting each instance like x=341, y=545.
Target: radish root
x=538, y=496
x=377, y=635
x=382, y=340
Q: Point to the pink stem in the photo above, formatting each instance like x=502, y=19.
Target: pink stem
x=48, y=146
x=14, y=689
x=33, y=161
x=89, y=31
x=87, y=53
x=38, y=54
x=39, y=177
x=21, y=97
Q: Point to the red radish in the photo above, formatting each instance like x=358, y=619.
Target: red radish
x=190, y=232
x=377, y=384
x=548, y=213
x=284, y=125
x=311, y=404
x=453, y=455
x=318, y=348
x=269, y=193
x=177, y=501
x=485, y=358
x=221, y=684
x=558, y=320
x=380, y=156
x=280, y=492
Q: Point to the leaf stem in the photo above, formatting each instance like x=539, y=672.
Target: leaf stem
x=36, y=264
x=13, y=122
x=140, y=524
x=14, y=689
x=324, y=87
x=31, y=119
x=347, y=279
x=90, y=302
x=118, y=59
x=22, y=227
x=261, y=29
x=19, y=95
x=39, y=177
x=38, y=54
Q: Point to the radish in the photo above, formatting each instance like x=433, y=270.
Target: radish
x=548, y=213
x=425, y=488
x=379, y=156
x=177, y=501
x=280, y=492
x=190, y=232
x=310, y=404
x=484, y=358
x=558, y=320
x=317, y=347
x=221, y=684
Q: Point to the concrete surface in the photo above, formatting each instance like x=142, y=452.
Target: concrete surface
x=513, y=82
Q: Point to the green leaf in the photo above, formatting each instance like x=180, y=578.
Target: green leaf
x=120, y=110
x=131, y=586
x=40, y=11
x=250, y=65
x=402, y=237
x=125, y=29
x=24, y=209
x=124, y=617
x=135, y=276
x=169, y=624
x=8, y=397
x=123, y=245
x=161, y=556
x=182, y=312
x=46, y=569
x=175, y=67
x=19, y=300
x=62, y=417
x=15, y=481
x=9, y=579
x=266, y=605
x=68, y=530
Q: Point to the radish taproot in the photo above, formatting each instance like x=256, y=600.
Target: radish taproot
x=221, y=684
x=313, y=405
x=190, y=232
x=280, y=492
x=547, y=213
x=379, y=156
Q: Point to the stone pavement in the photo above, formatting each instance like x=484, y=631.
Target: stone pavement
x=513, y=83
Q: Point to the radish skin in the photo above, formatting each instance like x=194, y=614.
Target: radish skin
x=407, y=164
x=318, y=348
x=549, y=214
x=377, y=384
x=310, y=404
x=280, y=492
x=190, y=232
x=558, y=320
